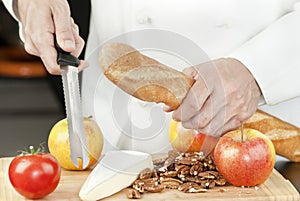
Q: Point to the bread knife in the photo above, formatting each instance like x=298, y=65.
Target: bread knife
x=69, y=72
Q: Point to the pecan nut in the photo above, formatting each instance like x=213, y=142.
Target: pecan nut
x=208, y=184
x=133, y=194
x=170, y=173
x=188, y=161
x=206, y=175
x=171, y=183
x=145, y=174
x=195, y=169
x=189, y=172
x=191, y=187
x=220, y=182
x=154, y=188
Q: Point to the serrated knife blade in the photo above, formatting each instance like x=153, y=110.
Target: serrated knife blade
x=69, y=72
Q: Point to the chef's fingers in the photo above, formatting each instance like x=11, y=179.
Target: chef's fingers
x=191, y=72
x=83, y=65
x=63, y=26
x=75, y=28
x=208, y=144
x=202, y=118
x=79, y=42
x=41, y=43
x=193, y=101
x=167, y=108
x=30, y=47
x=215, y=127
x=48, y=55
x=231, y=124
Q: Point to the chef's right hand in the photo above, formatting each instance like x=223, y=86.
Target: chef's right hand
x=225, y=94
x=41, y=19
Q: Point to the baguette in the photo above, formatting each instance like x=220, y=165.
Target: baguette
x=285, y=137
x=143, y=77
x=149, y=80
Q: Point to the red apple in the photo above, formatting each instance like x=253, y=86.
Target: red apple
x=245, y=162
x=188, y=140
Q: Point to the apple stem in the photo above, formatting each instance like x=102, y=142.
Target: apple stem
x=242, y=132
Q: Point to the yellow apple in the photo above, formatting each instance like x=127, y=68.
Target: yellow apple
x=59, y=145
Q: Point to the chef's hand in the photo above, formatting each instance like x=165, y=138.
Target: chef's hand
x=41, y=19
x=224, y=95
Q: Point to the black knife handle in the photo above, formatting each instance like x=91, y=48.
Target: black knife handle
x=65, y=58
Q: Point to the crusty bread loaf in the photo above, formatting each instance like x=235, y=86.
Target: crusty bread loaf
x=151, y=81
x=285, y=137
x=143, y=77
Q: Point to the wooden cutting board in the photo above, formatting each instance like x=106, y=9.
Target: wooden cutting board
x=275, y=188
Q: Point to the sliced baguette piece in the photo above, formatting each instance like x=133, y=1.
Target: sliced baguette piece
x=143, y=77
x=285, y=136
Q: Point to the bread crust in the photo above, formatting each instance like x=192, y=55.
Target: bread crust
x=143, y=77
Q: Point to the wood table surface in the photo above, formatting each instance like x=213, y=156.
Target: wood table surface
x=275, y=188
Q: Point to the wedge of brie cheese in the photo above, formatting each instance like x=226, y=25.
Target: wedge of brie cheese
x=116, y=171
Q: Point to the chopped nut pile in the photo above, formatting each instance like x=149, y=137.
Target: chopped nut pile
x=189, y=172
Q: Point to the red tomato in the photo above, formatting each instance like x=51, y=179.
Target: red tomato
x=34, y=175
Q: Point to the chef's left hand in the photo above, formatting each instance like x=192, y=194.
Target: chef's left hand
x=224, y=95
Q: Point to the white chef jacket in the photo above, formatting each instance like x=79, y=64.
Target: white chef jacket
x=263, y=34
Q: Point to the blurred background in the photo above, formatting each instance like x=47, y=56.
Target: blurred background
x=31, y=100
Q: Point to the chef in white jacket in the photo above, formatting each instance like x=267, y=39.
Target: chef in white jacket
x=257, y=39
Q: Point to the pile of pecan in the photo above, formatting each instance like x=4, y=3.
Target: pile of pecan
x=189, y=172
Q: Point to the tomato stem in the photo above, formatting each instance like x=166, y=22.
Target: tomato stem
x=31, y=148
